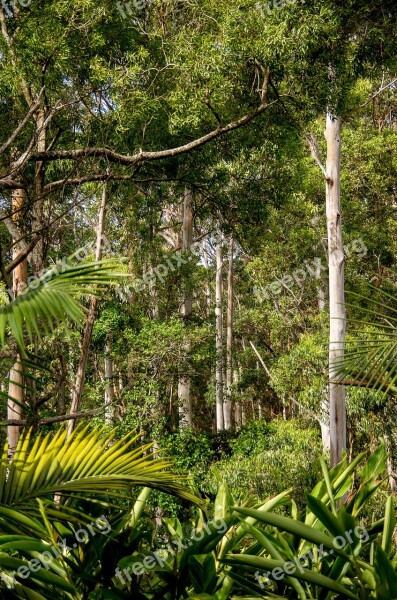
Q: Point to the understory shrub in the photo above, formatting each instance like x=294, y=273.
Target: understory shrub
x=267, y=458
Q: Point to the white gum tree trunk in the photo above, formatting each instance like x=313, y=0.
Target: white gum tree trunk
x=337, y=313
x=184, y=395
x=227, y=413
x=219, y=338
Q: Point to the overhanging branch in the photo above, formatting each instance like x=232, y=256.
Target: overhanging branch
x=59, y=419
x=134, y=159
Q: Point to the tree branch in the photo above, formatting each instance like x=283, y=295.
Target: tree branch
x=312, y=141
x=126, y=160
x=23, y=123
x=59, y=419
x=21, y=256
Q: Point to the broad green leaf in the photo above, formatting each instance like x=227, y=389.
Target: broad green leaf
x=265, y=565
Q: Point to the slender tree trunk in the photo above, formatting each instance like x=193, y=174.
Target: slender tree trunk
x=38, y=224
x=229, y=341
x=219, y=339
x=153, y=262
x=336, y=288
x=207, y=285
x=86, y=340
x=243, y=416
x=237, y=410
x=391, y=446
x=16, y=379
x=184, y=397
x=259, y=402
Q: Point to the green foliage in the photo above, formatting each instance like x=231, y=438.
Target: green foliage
x=195, y=570
x=330, y=549
x=88, y=472
x=53, y=297
x=218, y=557
x=158, y=78
x=267, y=457
x=86, y=460
x=190, y=452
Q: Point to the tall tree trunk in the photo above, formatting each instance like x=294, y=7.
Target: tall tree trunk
x=336, y=288
x=61, y=397
x=16, y=379
x=184, y=397
x=204, y=247
x=219, y=339
x=86, y=339
x=238, y=407
x=38, y=224
x=243, y=416
x=229, y=340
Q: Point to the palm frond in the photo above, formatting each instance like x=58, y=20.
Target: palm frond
x=370, y=360
x=55, y=297
x=89, y=463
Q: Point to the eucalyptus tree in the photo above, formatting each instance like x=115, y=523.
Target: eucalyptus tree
x=91, y=97
x=184, y=384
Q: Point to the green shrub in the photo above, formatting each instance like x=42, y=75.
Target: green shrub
x=190, y=453
x=268, y=458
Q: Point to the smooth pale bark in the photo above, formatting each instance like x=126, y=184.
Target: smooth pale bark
x=184, y=396
x=325, y=425
x=14, y=411
x=227, y=409
x=154, y=296
x=19, y=282
x=219, y=339
x=238, y=407
x=391, y=447
x=243, y=405
x=243, y=416
x=262, y=362
x=320, y=291
x=336, y=289
x=38, y=224
x=204, y=247
x=87, y=334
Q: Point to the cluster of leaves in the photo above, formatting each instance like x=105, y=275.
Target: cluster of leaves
x=227, y=552
x=262, y=456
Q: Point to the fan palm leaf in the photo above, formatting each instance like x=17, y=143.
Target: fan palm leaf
x=371, y=359
x=55, y=297
x=84, y=471
x=90, y=464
